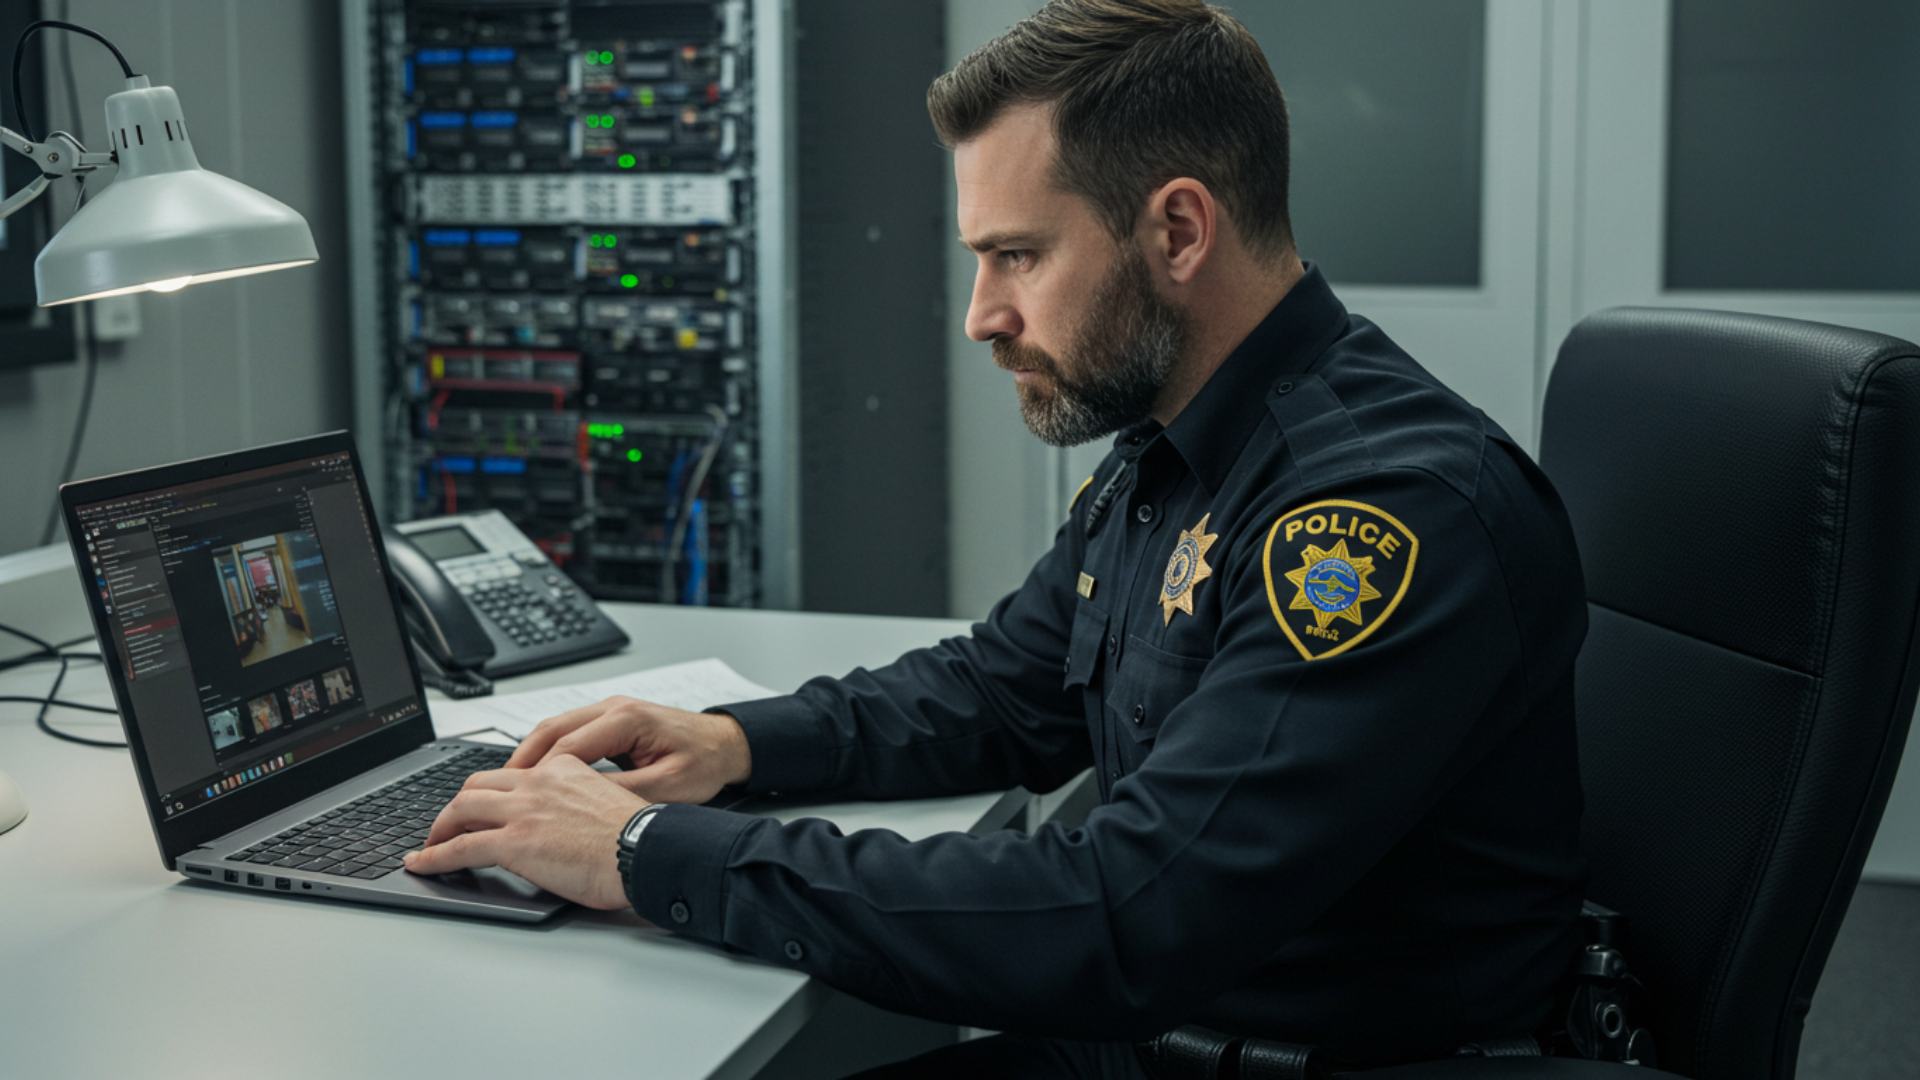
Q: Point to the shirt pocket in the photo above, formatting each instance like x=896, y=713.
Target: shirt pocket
x=1084, y=645
x=1153, y=683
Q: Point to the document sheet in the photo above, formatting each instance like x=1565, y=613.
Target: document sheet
x=694, y=685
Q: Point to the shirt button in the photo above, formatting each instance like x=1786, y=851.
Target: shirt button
x=1145, y=513
x=1139, y=714
x=1114, y=775
x=794, y=952
x=1069, y=667
x=1113, y=644
x=679, y=911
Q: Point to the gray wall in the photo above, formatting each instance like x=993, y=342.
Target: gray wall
x=1003, y=482
x=226, y=364
x=872, y=289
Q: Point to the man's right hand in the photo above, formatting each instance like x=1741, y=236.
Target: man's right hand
x=666, y=754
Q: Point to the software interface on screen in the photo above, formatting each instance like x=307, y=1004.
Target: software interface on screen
x=250, y=621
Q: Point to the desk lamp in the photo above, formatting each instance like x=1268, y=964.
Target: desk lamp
x=163, y=224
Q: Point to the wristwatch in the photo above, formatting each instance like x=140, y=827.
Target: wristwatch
x=630, y=837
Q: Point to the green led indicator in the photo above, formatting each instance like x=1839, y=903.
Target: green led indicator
x=606, y=58
x=593, y=241
x=612, y=240
x=592, y=57
x=633, y=455
x=646, y=95
x=593, y=121
x=628, y=280
x=606, y=121
x=605, y=431
x=626, y=161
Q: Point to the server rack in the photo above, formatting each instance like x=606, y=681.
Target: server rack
x=571, y=301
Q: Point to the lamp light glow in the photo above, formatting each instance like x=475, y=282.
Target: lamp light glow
x=171, y=284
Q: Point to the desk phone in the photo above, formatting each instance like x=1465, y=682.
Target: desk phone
x=482, y=597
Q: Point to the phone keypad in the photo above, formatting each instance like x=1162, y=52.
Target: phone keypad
x=531, y=615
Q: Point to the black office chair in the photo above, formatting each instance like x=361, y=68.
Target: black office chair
x=1746, y=495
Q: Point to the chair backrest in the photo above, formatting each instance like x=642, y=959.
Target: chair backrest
x=1745, y=492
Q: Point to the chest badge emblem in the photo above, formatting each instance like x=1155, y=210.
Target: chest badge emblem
x=1186, y=570
x=1313, y=589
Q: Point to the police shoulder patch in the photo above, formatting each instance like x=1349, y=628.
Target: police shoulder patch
x=1335, y=571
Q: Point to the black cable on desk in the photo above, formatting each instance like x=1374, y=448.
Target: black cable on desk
x=48, y=654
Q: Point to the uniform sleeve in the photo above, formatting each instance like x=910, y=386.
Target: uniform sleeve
x=979, y=713
x=1274, y=783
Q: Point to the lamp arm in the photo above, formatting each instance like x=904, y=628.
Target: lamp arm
x=25, y=195
x=60, y=156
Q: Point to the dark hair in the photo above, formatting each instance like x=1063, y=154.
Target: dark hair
x=1142, y=92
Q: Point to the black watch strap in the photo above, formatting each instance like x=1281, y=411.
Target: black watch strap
x=630, y=839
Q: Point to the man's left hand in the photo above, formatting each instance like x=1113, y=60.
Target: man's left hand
x=557, y=825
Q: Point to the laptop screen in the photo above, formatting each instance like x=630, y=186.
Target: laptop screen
x=247, y=618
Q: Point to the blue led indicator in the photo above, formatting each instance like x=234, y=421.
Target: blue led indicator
x=448, y=237
x=437, y=56
x=406, y=75
x=495, y=119
x=457, y=464
x=492, y=54
x=441, y=121
x=413, y=261
x=503, y=466
x=497, y=237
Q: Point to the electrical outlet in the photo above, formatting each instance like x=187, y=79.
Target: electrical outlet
x=116, y=318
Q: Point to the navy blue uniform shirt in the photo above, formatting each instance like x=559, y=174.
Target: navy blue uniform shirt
x=1316, y=638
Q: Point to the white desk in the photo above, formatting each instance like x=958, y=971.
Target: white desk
x=111, y=966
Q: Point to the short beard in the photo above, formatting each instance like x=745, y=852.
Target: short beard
x=1120, y=360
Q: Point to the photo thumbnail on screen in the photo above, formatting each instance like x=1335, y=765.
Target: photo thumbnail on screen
x=339, y=685
x=302, y=700
x=225, y=725
x=264, y=712
x=277, y=594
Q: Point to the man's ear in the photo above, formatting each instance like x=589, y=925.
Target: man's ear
x=1182, y=222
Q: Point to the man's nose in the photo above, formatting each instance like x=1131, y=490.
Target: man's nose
x=990, y=314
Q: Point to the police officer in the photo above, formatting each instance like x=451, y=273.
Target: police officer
x=1312, y=623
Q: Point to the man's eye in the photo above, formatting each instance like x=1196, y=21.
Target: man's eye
x=1016, y=258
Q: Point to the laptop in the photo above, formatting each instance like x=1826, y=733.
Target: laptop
x=252, y=634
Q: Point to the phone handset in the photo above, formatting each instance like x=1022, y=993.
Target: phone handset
x=447, y=636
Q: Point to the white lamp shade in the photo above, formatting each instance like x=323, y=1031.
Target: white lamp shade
x=165, y=222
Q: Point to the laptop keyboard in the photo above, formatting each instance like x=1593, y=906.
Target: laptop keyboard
x=365, y=838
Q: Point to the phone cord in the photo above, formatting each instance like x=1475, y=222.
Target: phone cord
x=461, y=684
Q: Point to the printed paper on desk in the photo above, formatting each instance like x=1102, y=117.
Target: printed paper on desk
x=695, y=685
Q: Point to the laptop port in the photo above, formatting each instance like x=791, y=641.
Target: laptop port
x=205, y=871
x=283, y=884
x=256, y=881
x=306, y=885
x=233, y=877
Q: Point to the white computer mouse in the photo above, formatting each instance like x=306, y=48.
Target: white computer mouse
x=13, y=805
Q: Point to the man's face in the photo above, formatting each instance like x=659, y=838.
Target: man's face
x=1074, y=316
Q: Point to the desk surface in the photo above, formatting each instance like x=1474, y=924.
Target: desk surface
x=111, y=965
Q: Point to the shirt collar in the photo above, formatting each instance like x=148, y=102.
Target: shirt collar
x=1210, y=432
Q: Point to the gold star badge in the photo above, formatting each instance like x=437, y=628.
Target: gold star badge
x=1186, y=569
x=1332, y=584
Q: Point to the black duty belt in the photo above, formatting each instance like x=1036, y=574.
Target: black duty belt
x=1192, y=1052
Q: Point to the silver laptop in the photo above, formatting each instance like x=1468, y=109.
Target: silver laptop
x=276, y=719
